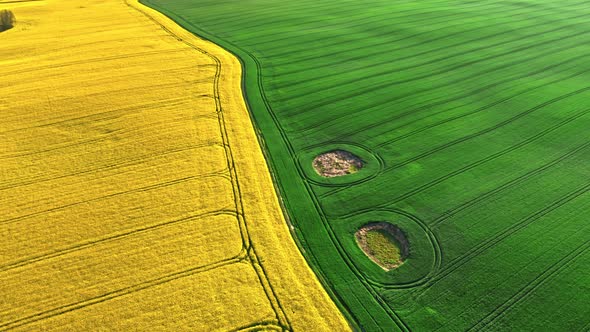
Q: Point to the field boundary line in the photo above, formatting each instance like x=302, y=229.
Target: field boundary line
x=318, y=273
x=275, y=303
x=338, y=246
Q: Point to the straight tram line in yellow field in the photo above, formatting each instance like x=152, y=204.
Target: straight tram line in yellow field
x=133, y=192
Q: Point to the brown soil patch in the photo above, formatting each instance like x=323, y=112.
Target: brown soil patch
x=400, y=240
x=337, y=163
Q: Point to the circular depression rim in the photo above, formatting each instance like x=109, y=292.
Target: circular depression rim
x=373, y=164
x=364, y=217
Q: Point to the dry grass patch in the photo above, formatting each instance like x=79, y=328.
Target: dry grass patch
x=384, y=243
x=337, y=163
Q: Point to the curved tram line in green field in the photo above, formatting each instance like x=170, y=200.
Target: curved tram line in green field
x=368, y=284
x=471, y=118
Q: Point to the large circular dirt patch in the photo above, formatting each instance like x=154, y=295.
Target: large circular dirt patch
x=337, y=163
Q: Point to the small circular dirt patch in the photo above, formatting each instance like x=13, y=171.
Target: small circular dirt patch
x=337, y=163
x=384, y=243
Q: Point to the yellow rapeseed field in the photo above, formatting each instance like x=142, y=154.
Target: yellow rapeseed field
x=133, y=192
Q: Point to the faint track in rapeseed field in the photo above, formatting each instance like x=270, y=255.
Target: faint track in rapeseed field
x=134, y=192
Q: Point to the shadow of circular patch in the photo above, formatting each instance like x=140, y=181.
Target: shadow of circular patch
x=372, y=164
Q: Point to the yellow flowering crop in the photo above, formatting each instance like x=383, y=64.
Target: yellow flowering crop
x=133, y=192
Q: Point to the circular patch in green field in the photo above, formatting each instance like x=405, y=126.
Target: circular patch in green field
x=419, y=248
x=384, y=243
x=339, y=164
